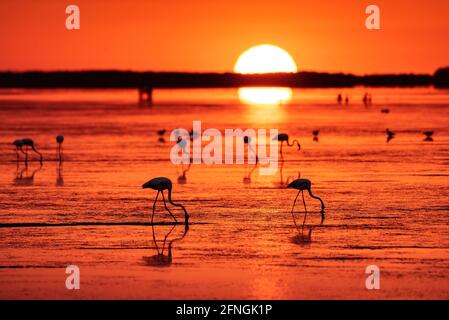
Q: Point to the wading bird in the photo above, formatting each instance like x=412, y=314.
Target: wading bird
x=247, y=140
x=390, y=135
x=160, y=184
x=429, y=135
x=27, y=142
x=283, y=137
x=315, y=133
x=59, y=141
x=301, y=185
x=19, y=148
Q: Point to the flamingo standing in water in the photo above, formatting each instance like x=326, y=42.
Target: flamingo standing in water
x=59, y=141
x=301, y=185
x=429, y=135
x=390, y=135
x=283, y=137
x=27, y=142
x=160, y=184
x=247, y=140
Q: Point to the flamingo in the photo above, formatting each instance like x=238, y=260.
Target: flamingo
x=27, y=142
x=247, y=140
x=315, y=135
x=429, y=135
x=390, y=135
x=283, y=137
x=301, y=185
x=19, y=147
x=59, y=141
x=160, y=184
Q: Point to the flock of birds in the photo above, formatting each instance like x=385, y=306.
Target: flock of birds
x=28, y=143
x=391, y=135
x=164, y=184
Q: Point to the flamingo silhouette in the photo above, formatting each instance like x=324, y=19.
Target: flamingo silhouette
x=247, y=140
x=29, y=143
x=390, y=135
x=160, y=184
x=301, y=185
x=283, y=137
x=429, y=135
x=59, y=141
x=315, y=135
x=182, y=179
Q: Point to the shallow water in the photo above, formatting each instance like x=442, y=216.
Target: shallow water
x=386, y=203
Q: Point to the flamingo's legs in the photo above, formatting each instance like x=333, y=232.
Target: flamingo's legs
x=305, y=210
x=293, y=207
x=154, y=208
x=165, y=205
x=280, y=150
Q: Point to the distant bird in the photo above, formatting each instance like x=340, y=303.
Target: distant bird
x=385, y=110
x=347, y=100
x=429, y=135
x=315, y=135
x=161, y=132
x=283, y=137
x=160, y=184
x=390, y=135
x=301, y=185
x=182, y=179
x=247, y=140
x=19, y=147
x=339, y=98
x=59, y=141
x=29, y=143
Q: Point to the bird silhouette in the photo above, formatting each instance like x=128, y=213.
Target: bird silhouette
x=302, y=185
x=182, y=179
x=283, y=137
x=390, y=135
x=161, y=132
x=429, y=136
x=315, y=135
x=59, y=141
x=161, y=184
x=29, y=143
x=247, y=140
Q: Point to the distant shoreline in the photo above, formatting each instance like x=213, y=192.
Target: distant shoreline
x=130, y=79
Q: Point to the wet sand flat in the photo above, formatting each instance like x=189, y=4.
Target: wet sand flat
x=386, y=203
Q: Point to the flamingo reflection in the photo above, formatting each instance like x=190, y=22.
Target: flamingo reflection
x=23, y=178
x=161, y=259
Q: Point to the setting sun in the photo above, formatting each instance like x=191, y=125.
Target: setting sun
x=265, y=58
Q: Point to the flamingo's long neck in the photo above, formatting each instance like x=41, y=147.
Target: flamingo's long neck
x=293, y=143
x=186, y=215
x=40, y=154
x=318, y=198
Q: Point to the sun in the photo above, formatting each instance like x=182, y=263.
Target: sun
x=265, y=58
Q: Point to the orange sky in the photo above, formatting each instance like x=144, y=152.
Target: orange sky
x=199, y=35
